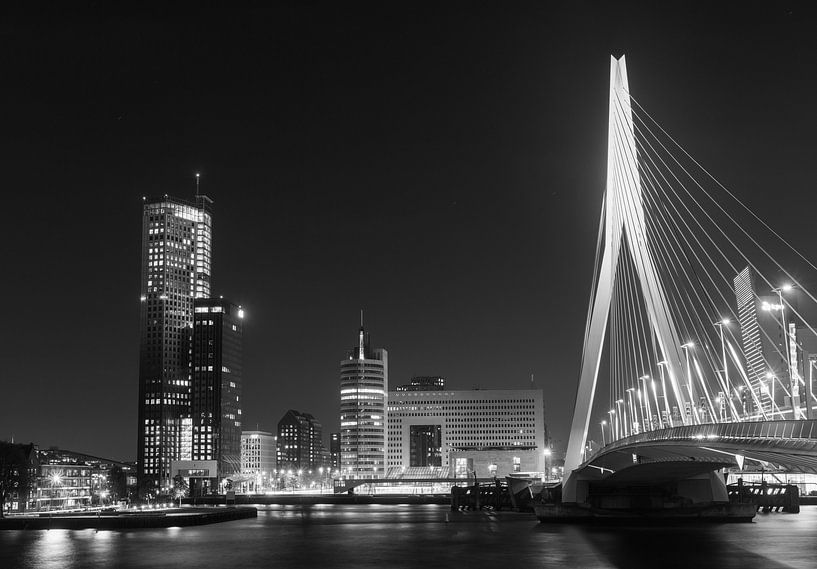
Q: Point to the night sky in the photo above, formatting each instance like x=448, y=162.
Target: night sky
x=439, y=165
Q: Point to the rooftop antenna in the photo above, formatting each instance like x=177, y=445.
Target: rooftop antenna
x=531, y=381
x=198, y=179
x=361, y=318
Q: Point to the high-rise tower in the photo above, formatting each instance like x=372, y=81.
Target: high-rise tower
x=176, y=259
x=364, y=384
x=216, y=388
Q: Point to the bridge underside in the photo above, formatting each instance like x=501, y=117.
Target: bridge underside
x=681, y=462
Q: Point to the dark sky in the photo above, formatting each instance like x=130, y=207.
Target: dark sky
x=440, y=165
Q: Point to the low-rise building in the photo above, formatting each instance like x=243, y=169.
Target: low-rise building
x=491, y=432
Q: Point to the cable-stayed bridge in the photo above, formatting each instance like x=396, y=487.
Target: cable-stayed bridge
x=699, y=350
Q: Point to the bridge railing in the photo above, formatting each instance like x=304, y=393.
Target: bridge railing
x=791, y=430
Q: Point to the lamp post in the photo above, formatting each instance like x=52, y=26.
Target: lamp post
x=645, y=379
x=788, y=348
x=633, y=414
x=727, y=386
x=603, y=441
x=547, y=455
x=695, y=417
x=613, y=424
x=56, y=479
x=661, y=365
x=622, y=416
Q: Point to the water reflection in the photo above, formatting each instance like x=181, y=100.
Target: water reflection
x=357, y=536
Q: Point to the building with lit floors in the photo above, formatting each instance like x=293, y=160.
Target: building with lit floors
x=176, y=257
x=423, y=383
x=258, y=459
x=764, y=347
x=218, y=327
x=487, y=432
x=364, y=381
x=334, y=451
x=300, y=442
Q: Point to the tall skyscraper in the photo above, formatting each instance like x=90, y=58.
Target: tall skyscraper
x=762, y=339
x=364, y=383
x=176, y=264
x=300, y=441
x=218, y=326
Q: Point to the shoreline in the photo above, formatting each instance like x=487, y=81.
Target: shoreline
x=128, y=519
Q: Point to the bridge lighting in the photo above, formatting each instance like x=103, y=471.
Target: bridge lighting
x=786, y=287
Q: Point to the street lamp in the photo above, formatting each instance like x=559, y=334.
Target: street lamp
x=789, y=347
x=686, y=347
x=633, y=414
x=645, y=379
x=547, y=455
x=613, y=424
x=56, y=480
x=727, y=385
x=661, y=365
x=603, y=441
x=623, y=416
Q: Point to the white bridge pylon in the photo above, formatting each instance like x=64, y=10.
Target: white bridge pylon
x=623, y=215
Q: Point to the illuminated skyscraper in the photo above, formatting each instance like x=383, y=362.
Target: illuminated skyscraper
x=300, y=441
x=762, y=341
x=218, y=326
x=364, y=383
x=176, y=256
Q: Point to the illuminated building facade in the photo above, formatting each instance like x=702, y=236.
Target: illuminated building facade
x=300, y=441
x=216, y=387
x=364, y=383
x=438, y=428
x=176, y=257
x=258, y=458
x=423, y=383
x=334, y=450
x=762, y=339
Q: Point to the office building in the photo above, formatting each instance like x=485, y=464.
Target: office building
x=763, y=345
x=334, y=451
x=176, y=253
x=364, y=381
x=300, y=442
x=216, y=385
x=488, y=432
x=258, y=458
x=423, y=383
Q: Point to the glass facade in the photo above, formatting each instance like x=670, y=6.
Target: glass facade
x=216, y=386
x=176, y=266
x=364, y=381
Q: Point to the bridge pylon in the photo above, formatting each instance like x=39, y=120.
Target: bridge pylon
x=624, y=226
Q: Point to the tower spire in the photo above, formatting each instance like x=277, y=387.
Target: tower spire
x=361, y=350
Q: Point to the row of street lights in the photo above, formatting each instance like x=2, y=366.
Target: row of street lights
x=718, y=408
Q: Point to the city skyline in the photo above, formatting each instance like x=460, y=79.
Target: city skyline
x=428, y=181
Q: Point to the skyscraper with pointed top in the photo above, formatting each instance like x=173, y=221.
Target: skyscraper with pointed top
x=364, y=385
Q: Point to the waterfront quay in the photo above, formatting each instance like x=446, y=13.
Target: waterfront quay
x=128, y=519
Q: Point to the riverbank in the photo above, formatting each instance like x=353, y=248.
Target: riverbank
x=130, y=519
x=312, y=499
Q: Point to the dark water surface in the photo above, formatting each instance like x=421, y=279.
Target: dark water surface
x=419, y=536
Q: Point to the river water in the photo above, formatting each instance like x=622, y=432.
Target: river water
x=334, y=536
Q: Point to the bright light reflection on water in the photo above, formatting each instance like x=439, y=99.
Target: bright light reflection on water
x=356, y=536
